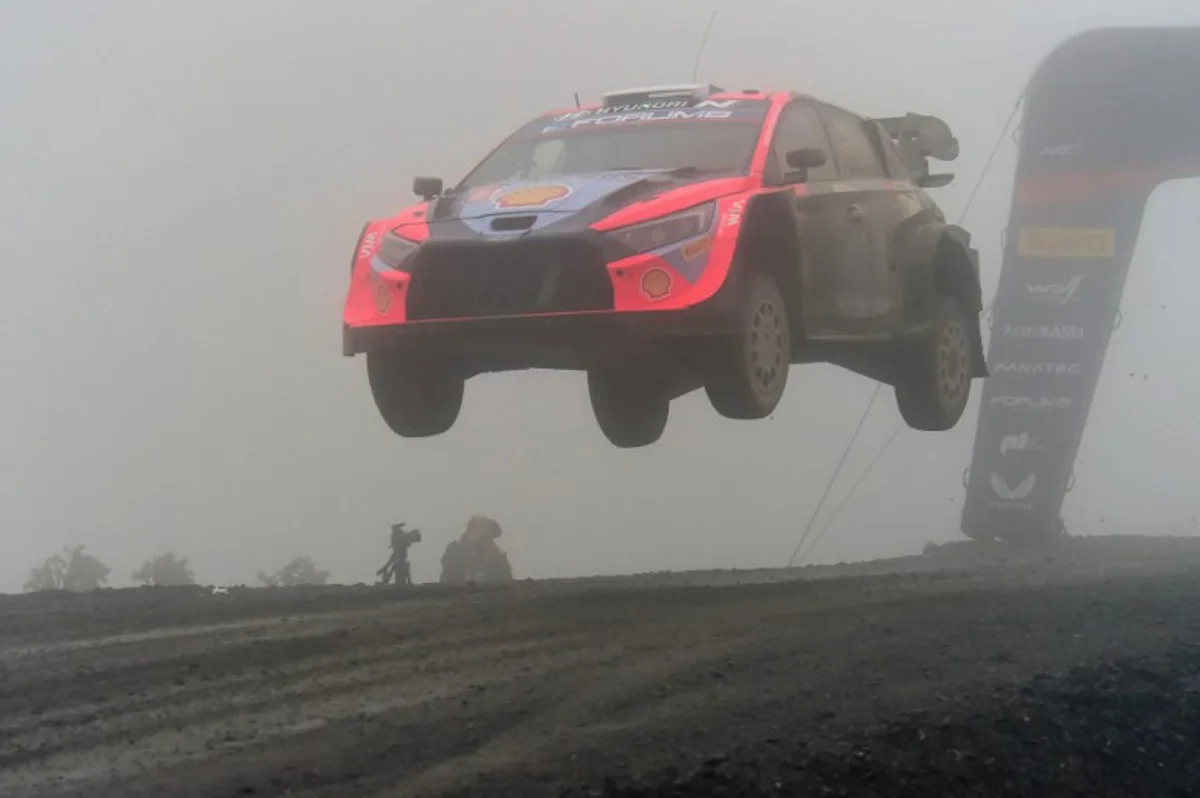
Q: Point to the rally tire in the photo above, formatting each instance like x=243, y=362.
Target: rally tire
x=933, y=385
x=630, y=409
x=749, y=367
x=416, y=399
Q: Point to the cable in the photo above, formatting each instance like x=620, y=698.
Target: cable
x=849, y=495
x=703, y=42
x=821, y=503
x=987, y=166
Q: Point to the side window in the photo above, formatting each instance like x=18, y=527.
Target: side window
x=854, y=150
x=799, y=126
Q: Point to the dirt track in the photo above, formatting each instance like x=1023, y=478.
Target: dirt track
x=1040, y=676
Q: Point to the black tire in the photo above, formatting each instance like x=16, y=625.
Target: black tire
x=749, y=369
x=933, y=385
x=416, y=399
x=631, y=409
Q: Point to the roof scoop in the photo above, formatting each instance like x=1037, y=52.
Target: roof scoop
x=688, y=92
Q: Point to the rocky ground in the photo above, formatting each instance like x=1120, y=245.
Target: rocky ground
x=960, y=672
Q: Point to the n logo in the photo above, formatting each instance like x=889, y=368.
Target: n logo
x=1021, y=491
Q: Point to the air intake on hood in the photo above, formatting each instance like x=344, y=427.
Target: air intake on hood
x=503, y=223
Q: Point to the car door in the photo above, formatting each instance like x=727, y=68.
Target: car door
x=819, y=212
x=866, y=288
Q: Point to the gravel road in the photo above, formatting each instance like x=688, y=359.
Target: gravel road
x=960, y=672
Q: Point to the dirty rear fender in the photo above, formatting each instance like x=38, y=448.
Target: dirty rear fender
x=917, y=254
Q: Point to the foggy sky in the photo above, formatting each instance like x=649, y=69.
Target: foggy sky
x=183, y=184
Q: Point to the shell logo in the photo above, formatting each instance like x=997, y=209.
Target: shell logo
x=656, y=284
x=532, y=196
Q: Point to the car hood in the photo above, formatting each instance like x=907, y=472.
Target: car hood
x=587, y=197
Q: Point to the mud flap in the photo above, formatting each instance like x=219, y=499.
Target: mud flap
x=979, y=368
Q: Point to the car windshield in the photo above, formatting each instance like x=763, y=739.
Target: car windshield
x=548, y=147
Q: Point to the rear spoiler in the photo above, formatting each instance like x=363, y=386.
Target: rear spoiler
x=918, y=138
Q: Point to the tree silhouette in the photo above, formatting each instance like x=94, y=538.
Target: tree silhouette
x=69, y=569
x=165, y=569
x=300, y=571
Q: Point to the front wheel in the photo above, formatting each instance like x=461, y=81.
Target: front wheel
x=416, y=398
x=749, y=369
x=934, y=380
x=630, y=408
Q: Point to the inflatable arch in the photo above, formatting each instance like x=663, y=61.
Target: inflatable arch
x=1108, y=116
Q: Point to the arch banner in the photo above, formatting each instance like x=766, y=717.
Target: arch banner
x=1108, y=116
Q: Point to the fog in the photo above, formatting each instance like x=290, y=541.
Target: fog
x=183, y=185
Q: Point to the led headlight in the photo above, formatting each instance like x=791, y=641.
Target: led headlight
x=662, y=232
x=396, y=250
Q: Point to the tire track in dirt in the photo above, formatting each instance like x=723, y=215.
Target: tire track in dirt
x=532, y=687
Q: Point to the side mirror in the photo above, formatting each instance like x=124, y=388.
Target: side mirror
x=806, y=158
x=427, y=187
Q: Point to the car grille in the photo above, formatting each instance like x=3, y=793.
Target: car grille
x=480, y=279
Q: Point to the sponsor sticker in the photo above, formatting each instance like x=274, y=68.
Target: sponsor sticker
x=1010, y=367
x=1012, y=497
x=1066, y=242
x=1038, y=403
x=1023, y=442
x=1059, y=150
x=656, y=284
x=645, y=107
x=1062, y=332
x=733, y=216
x=369, y=243
x=1055, y=293
x=532, y=196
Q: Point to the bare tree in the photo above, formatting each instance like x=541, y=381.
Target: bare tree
x=70, y=569
x=165, y=569
x=300, y=571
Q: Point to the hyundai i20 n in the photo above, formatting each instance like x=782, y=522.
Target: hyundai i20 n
x=670, y=239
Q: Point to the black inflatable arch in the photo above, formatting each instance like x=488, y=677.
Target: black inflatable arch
x=1108, y=116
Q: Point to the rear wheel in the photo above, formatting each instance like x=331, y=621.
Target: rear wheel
x=417, y=398
x=749, y=369
x=630, y=408
x=934, y=379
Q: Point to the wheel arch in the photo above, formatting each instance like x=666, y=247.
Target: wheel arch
x=939, y=262
x=956, y=268
x=769, y=243
x=955, y=275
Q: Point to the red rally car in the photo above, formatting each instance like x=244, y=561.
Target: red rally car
x=670, y=239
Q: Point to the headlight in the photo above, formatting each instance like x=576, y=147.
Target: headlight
x=396, y=250
x=645, y=236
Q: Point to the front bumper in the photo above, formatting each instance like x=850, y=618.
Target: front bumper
x=483, y=336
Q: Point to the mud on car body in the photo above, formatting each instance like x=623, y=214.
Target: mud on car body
x=672, y=239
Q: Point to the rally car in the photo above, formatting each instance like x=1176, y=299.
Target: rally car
x=669, y=239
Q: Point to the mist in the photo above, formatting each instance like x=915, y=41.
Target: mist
x=183, y=187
